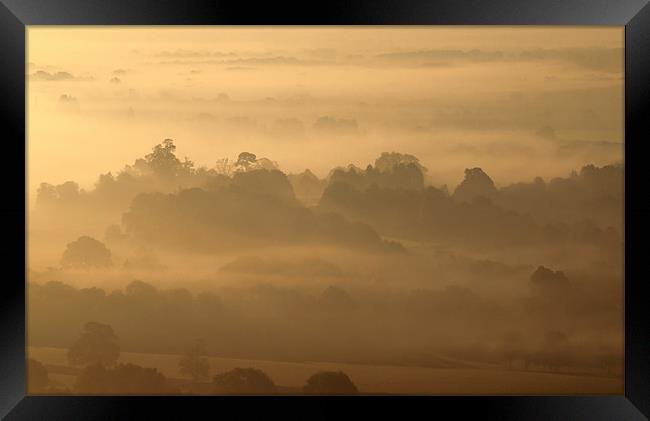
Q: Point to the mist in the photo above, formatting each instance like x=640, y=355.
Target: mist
x=395, y=205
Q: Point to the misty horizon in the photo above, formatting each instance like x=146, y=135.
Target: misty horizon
x=325, y=210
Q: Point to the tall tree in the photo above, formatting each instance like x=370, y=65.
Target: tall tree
x=86, y=252
x=193, y=362
x=96, y=345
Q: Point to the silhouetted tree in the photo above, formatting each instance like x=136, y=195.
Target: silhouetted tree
x=243, y=381
x=164, y=162
x=475, y=184
x=387, y=161
x=245, y=161
x=86, y=252
x=68, y=191
x=264, y=183
x=193, y=362
x=46, y=194
x=398, y=176
x=546, y=279
x=330, y=383
x=96, y=345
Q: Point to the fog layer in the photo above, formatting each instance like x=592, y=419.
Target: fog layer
x=423, y=198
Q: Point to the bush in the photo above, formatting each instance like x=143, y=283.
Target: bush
x=122, y=379
x=243, y=381
x=330, y=383
x=86, y=253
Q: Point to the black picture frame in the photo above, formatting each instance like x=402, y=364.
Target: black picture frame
x=15, y=15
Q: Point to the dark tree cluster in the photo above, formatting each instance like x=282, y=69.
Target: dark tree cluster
x=162, y=196
x=471, y=217
x=229, y=217
x=399, y=176
x=594, y=193
x=159, y=171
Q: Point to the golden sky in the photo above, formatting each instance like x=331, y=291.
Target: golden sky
x=516, y=101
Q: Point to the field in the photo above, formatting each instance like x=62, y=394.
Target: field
x=370, y=378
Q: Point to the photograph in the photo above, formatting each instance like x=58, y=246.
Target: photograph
x=325, y=210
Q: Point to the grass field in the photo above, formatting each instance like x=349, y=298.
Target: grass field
x=372, y=378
